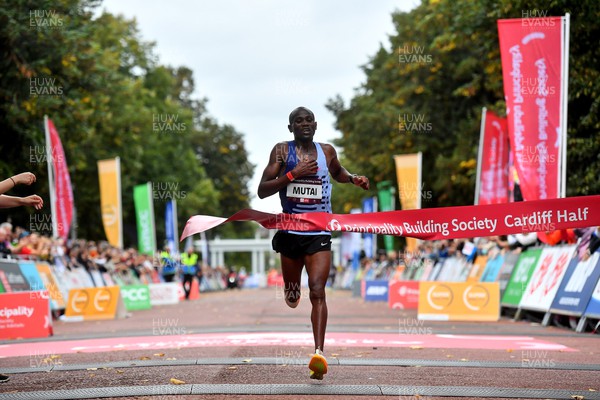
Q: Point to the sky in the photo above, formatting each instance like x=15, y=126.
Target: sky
x=256, y=60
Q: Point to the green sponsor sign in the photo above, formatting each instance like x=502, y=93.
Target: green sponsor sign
x=144, y=216
x=385, y=195
x=520, y=277
x=136, y=297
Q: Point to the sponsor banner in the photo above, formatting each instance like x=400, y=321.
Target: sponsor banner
x=510, y=260
x=136, y=297
x=577, y=286
x=546, y=278
x=30, y=272
x=593, y=308
x=459, y=301
x=25, y=315
x=144, y=216
x=403, y=295
x=385, y=201
x=520, y=277
x=95, y=304
x=369, y=239
x=376, y=290
x=432, y=223
x=427, y=269
x=171, y=226
x=408, y=174
x=453, y=270
x=109, y=175
x=492, y=179
x=492, y=269
x=57, y=301
x=437, y=268
x=75, y=279
x=97, y=278
x=12, y=278
x=62, y=199
x=477, y=269
x=532, y=70
x=164, y=293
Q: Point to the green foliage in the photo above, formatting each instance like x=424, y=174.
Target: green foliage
x=110, y=92
x=458, y=74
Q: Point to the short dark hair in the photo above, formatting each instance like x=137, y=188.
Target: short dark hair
x=296, y=110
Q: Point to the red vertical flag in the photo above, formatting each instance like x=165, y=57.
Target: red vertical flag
x=493, y=160
x=533, y=67
x=61, y=192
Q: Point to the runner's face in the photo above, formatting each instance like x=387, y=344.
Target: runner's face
x=303, y=126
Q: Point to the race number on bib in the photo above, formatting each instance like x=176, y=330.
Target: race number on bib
x=305, y=190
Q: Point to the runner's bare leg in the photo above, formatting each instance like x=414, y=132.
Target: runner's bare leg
x=291, y=269
x=317, y=267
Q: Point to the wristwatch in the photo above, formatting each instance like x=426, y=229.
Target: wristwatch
x=352, y=176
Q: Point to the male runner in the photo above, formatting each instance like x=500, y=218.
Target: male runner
x=299, y=170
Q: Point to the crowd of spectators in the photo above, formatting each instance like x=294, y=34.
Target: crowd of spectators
x=127, y=264
x=385, y=264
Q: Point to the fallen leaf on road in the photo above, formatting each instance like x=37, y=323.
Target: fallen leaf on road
x=91, y=369
x=120, y=371
x=592, y=390
x=145, y=358
x=176, y=381
x=416, y=347
x=159, y=354
x=232, y=367
x=464, y=359
x=509, y=350
x=449, y=355
x=334, y=354
x=577, y=397
x=247, y=360
x=171, y=358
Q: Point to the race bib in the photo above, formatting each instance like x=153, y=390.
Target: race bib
x=305, y=190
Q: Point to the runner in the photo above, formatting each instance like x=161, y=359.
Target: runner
x=299, y=171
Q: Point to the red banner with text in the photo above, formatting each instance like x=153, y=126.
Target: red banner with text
x=62, y=184
x=493, y=187
x=430, y=223
x=532, y=60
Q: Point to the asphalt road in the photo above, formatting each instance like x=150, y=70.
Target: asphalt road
x=248, y=344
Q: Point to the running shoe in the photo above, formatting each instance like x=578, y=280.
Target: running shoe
x=317, y=365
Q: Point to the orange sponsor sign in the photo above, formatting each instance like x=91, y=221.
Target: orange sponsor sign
x=459, y=301
x=477, y=269
x=51, y=285
x=95, y=304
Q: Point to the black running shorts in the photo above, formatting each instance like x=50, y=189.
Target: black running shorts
x=296, y=246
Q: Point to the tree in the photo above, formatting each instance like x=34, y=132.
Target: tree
x=108, y=96
x=425, y=93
